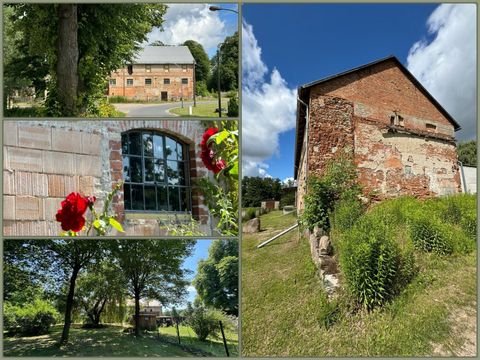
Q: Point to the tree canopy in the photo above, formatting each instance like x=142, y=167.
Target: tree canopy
x=228, y=65
x=467, y=153
x=217, y=277
x=202, y=64
x=257, y=189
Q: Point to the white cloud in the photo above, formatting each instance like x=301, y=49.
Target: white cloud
x=446, y=66
x=268, y=108
x=192, y=22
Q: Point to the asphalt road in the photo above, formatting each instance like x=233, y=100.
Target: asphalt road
x=153, y=110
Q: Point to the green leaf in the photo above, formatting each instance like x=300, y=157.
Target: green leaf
x=234, y=169
x=97, y=224
x=115, y=224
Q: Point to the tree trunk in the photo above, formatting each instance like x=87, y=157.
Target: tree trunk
x=69, y=306
x=67, y=58
x=137, y=314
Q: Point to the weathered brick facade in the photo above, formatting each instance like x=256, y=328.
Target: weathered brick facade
x=165, y=73
x=401, y=139
x=46, y=160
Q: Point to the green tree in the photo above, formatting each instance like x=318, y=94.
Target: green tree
x=257, y=189
x=82, y=44
x=153, y=270
x=217, y=277
x=467, y=153
x=228, y=65
x=101, y=284
x=202, y=66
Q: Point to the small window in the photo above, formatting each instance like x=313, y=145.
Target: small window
x=166, y=67
x=184, y=81
x=113, y=82
x=184, y=68
x=129, y=82
x=408, y=170
x=166, y=81
x=431, y=127
x=392, y=120
x=130, y=69
x=400, y=121
x=148, y=82
x=148, y=68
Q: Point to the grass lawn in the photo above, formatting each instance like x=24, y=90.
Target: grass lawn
x=212, y=345
x=109, y=341
x=283, y=304
x=202, y=109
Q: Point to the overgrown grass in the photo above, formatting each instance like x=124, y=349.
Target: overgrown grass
x=285, y=311
x=202, y=109
x=31, y=111
x=213, y=345
x=108, y=341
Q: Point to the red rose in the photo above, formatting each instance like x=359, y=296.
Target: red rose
x=71, y=213
x=208, y=154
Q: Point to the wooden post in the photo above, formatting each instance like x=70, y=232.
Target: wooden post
x=277, y=236
x=224, y=340
x=178, y=332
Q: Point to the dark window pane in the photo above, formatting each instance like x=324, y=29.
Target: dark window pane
x=174, y=204
x=184, y=199
x=162, y=198
x=172, y=172
x=137, y=197
x=181, y=173
x=136, y=169
x=147, y=144
x=171, y=148
x=149, y=174
x=158, y=146
x=150, y=200
x=126, y=168
x=135, y=143
x=159, y=171
x=180, y=151
x=126, y=197
x=124, y=143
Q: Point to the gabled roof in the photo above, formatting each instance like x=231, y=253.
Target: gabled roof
x=304, y=90
x=164, y=55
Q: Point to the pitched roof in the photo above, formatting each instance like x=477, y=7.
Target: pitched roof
x=303, y=91
x=164, y=55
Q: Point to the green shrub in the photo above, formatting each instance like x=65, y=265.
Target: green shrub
x=287, y=199
x=201, y=89
x=250, y=213
x=346, y=213
x=429, y=235
x=371, y=261
x=338, y=182
x=118, y=99
x=203, y=321
x=232, y=107
x=31, y=319
x=329, y=312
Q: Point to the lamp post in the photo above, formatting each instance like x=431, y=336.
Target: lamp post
x=218, y=8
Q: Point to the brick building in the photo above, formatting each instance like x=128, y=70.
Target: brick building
x=402, y=140
x=158, y=160
x=157, y=73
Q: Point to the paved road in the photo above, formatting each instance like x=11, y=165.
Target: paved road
x=154, y=110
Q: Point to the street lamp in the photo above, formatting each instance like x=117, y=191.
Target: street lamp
x=218, y=8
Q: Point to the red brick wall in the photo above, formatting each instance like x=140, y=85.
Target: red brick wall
x=46, y=160
x=175, y=90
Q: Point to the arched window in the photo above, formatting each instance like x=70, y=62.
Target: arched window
x=155, y=172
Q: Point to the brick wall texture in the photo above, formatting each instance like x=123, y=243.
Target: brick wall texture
x=46, y=160
x=354, y=114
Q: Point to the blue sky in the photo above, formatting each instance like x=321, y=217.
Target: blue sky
x=196, y=22
x=287, y=45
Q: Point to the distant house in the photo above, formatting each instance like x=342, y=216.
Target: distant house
x=157, y=73
x=401, y=139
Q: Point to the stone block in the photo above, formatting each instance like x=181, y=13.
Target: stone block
x=251, y=226
x=324, y=246
x=10, y=133
x=8, y=182
x=27, y=183
x=51, y=206
x=69, y=141
x=86, y=185
x=9, y=228
x=56, y=185
x=72, y=184
x=58, y=163
x=36, y=137
x=28, y=208
x=8, y=207
x=91, y=143
x=28, y=228
x=87, y=165
x=23, y=159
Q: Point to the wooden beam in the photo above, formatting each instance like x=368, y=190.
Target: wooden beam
x=277, y=236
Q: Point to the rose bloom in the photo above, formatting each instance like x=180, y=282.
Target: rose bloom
x=71, y=214
x=208, y=155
